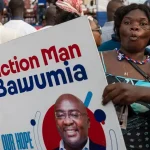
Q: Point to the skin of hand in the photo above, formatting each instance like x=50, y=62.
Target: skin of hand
x=123, y=93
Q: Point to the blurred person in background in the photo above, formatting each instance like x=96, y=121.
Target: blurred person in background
x=107, y=29
x=41, y=11
x=147, y=3
x=114, y=43
x=40, y=7
x=6, y=34
x=96, y=30
x=109, y=39
x=6, y=14
x=111, y=44
x=17, y=21
x=52, y=2
x=68, y=11
x=50, y=16
x=91, y=7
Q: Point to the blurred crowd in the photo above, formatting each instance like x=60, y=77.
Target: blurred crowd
x=21, y=15
x=34, y=12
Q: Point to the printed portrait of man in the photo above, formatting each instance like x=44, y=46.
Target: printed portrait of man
x=72, y=122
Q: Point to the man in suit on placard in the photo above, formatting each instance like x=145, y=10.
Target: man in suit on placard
x=72, y=122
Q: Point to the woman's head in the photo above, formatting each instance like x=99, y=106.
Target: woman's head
x=68, y=10
x=63, y=16
x=132, y=26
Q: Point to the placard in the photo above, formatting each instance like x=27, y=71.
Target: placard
x=51, y=89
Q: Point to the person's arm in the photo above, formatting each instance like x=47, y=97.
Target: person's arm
x=125, y=94
x=145, y=94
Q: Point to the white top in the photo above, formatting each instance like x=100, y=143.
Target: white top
x=61, y=145
x=107, y=31
x=7, y=34
x=23, y=27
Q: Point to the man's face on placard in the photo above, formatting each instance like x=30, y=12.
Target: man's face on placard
x=71, y=120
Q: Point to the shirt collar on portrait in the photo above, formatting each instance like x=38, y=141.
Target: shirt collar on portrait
x=86, y=147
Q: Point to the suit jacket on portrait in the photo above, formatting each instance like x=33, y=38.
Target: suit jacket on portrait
x=92, y=146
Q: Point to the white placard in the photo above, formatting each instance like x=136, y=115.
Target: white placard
x=35, y=70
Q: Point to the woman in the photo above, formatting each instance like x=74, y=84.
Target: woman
x=68, y=10
x=129, y=73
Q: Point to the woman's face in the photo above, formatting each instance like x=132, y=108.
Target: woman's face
x=135, y=31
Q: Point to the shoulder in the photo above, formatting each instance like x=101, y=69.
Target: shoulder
x=109, y=45
x=8, y=34
x=94, y=146
x=108, y=58
x=108, y=54
x=7, y=23
x=13, y=23
x=108, y=25
x=28, y=26
x=7, y=30
x=104, y=46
